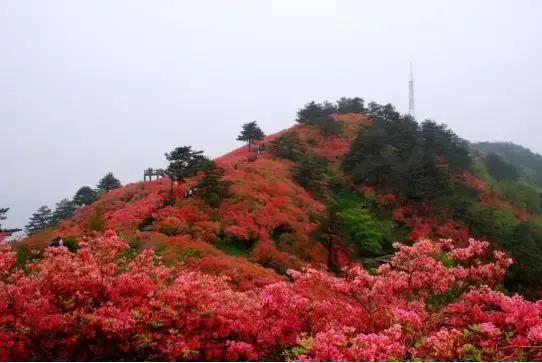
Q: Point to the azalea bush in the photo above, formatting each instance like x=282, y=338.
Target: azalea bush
x=432, y=301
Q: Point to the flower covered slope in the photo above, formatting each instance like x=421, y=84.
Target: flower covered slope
x=146, y=279
x=432, y=301
x=264, y=199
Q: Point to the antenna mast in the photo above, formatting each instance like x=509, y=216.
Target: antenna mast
x=411, y=93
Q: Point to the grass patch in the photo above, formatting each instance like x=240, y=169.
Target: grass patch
x=234, y=247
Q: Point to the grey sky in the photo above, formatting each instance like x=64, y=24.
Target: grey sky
x=88, y=87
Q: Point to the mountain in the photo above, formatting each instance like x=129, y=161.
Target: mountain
x=528, y=163
x=298, y=259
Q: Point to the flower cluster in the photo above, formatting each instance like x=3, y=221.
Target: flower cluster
x=431, y=302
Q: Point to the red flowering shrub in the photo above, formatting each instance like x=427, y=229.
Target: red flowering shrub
x=432, y=301
x=242, y=274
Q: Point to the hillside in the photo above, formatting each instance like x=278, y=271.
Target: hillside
x=298, y=260
x=528, y=164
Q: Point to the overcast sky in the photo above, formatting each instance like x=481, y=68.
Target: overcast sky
x=88, y=87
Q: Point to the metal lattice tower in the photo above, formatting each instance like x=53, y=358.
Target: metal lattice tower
x=411, y=93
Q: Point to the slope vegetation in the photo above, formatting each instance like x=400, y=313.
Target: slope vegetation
x=298, y=261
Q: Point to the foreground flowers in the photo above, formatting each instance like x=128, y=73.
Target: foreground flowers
x=431, y=302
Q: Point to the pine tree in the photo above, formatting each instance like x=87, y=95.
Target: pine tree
x=311, y=172
x=251, y=132
x=3, y=217
x=212, y=187
x=184, y=162
x=109, y=182
x=3, y=212
x=327, y=231
x=85, y=196
x=64, y=209
x=313, y=112
x=347, y=105
x=288, y=146
x=40, y=220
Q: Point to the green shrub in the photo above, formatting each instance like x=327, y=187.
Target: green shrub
x=362, y=229
x=71, y=243
x=96, y=222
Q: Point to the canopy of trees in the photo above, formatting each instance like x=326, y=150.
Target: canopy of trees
x=64, y=210
x=40, y=220
x=109, y=182
x=85, y=196
x=288, y=146
x=212, y=187
x=347, y=105
x=185, y=162
x=526, y=162
x=250, y=133
x=500, y=169
x=399, y=154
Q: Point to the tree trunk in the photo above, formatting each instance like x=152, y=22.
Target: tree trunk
x=171, y=195
x=329, y=250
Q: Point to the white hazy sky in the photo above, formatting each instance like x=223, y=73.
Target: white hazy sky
x=97, y=86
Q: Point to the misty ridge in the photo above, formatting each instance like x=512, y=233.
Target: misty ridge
x=270, y=181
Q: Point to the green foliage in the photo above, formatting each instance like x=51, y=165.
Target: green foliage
x=347, y=199
x=184, y=254
x=185, y=162
x=313, y=112
x=362, y=229
x=288, y=146
x=159, y=249
x=212, y=187
x=521, y=194
x=234, y=247
x=109, y=182
x=362, y=223
x=134, y=248
x=522, y=239
x=319, y=114
x=525, y=245
x=398, y=154
x=472, y=354
x=71, y=243
x=64, y=210
x=40, y=220
x=329, y=127
x=386, y=112
x=347, y=105
x=479, y=169
x=23, y=255
x=527, y=163
x=146, y=224
x=500, y=169
x=491, y=223
x=251, y=132
x=96, y=221
x=85, y=196
x=311, y=172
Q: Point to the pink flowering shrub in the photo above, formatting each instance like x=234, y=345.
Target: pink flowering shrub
x=432, y=301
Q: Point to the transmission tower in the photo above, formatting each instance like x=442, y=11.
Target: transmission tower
x=411, y=93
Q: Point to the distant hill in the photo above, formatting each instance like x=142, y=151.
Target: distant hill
x=528, y=163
